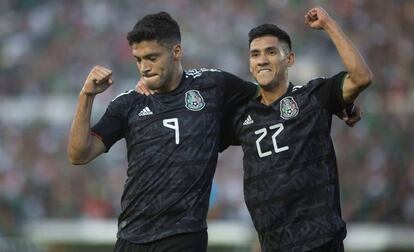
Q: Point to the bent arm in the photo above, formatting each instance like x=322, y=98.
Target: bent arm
x=359, y=74
x=83, y=146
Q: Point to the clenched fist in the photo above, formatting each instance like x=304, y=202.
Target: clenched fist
x=98, y=80
x=317, y=18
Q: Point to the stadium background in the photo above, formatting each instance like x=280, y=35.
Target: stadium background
x=48, y=47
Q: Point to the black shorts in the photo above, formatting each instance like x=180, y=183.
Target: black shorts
x=188, y=242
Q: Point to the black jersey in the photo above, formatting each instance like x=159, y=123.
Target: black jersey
x=290, y=174
x=172, y=142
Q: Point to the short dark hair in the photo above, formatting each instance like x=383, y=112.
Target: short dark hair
x=272, y=30
x=159, y=26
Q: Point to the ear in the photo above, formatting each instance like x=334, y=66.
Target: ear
x=177, y=52
x=291, y=59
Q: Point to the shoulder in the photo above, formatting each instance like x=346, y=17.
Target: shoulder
x=335, y=81
x=308, y=87
x=202, y=72
x=124, y=95
x=210, y=74
x=337, y=78
x=316, y=82
x=206, y=77
x=124, y=99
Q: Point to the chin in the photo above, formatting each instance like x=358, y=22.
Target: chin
x=153, y=86
x=264, y=80
x=264, y=83
x=268, y=85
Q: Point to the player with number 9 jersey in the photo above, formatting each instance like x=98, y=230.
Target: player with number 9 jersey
x=173, y=143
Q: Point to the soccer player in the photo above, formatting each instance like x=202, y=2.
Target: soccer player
x=172, y=139
x=291, y=184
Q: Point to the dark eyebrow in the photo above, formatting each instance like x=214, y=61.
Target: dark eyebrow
x=272, y=48
x=266, y=49
x=151, y=55
x=147, y=56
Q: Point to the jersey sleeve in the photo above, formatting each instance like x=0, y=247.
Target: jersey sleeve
x=329, y=92
x=237, y=92
x=110, y=127
x=228, y=133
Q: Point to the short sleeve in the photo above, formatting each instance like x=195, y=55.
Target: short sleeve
x=329, y=92
x=237, y=92
x=228, y=133
x=110, y=127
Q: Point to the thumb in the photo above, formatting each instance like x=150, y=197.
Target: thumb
x=343, y=115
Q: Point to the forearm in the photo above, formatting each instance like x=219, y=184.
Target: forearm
x=80, y=138
x=358, y=70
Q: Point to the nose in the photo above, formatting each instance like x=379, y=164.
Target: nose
x=262, y=60
x=144, y=67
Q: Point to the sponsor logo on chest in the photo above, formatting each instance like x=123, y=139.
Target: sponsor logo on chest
x=288, y=108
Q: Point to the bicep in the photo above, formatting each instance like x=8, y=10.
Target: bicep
x=330, y=92
x=110, y=128
x=97, y=147
x=350, y=90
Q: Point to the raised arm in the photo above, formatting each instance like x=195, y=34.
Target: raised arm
x=359, y=75
x=83, y=146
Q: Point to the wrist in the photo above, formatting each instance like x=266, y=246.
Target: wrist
x=84, y=92
x=330, y=26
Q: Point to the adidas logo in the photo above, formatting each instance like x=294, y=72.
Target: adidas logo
x=145, y=111
x=248, y=121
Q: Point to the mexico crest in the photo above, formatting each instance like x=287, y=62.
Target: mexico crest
x=288, y=108
x=193, y=100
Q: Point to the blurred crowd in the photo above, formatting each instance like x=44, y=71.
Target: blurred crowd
x=48, y=47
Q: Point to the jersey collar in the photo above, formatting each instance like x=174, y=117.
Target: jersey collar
x=256, y=101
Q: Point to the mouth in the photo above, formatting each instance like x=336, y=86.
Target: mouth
x=264, y=70
x=149, y=76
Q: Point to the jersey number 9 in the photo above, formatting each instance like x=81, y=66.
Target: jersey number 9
x=172, y=123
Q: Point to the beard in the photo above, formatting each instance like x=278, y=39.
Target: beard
x=153, y=82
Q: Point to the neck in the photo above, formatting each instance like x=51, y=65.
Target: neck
x=272, y=94
x=176, y=79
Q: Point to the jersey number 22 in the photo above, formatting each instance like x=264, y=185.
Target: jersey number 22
x=263, y=132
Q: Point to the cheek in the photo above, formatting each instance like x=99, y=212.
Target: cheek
x=252, y=65
x=283, y=64
x=278, y=64
x=164, y=66
x=159, y=68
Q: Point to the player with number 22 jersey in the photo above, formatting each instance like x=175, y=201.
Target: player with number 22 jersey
x=288, y=156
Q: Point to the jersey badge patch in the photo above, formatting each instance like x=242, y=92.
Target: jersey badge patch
x=288, y=108
x=194, y=101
